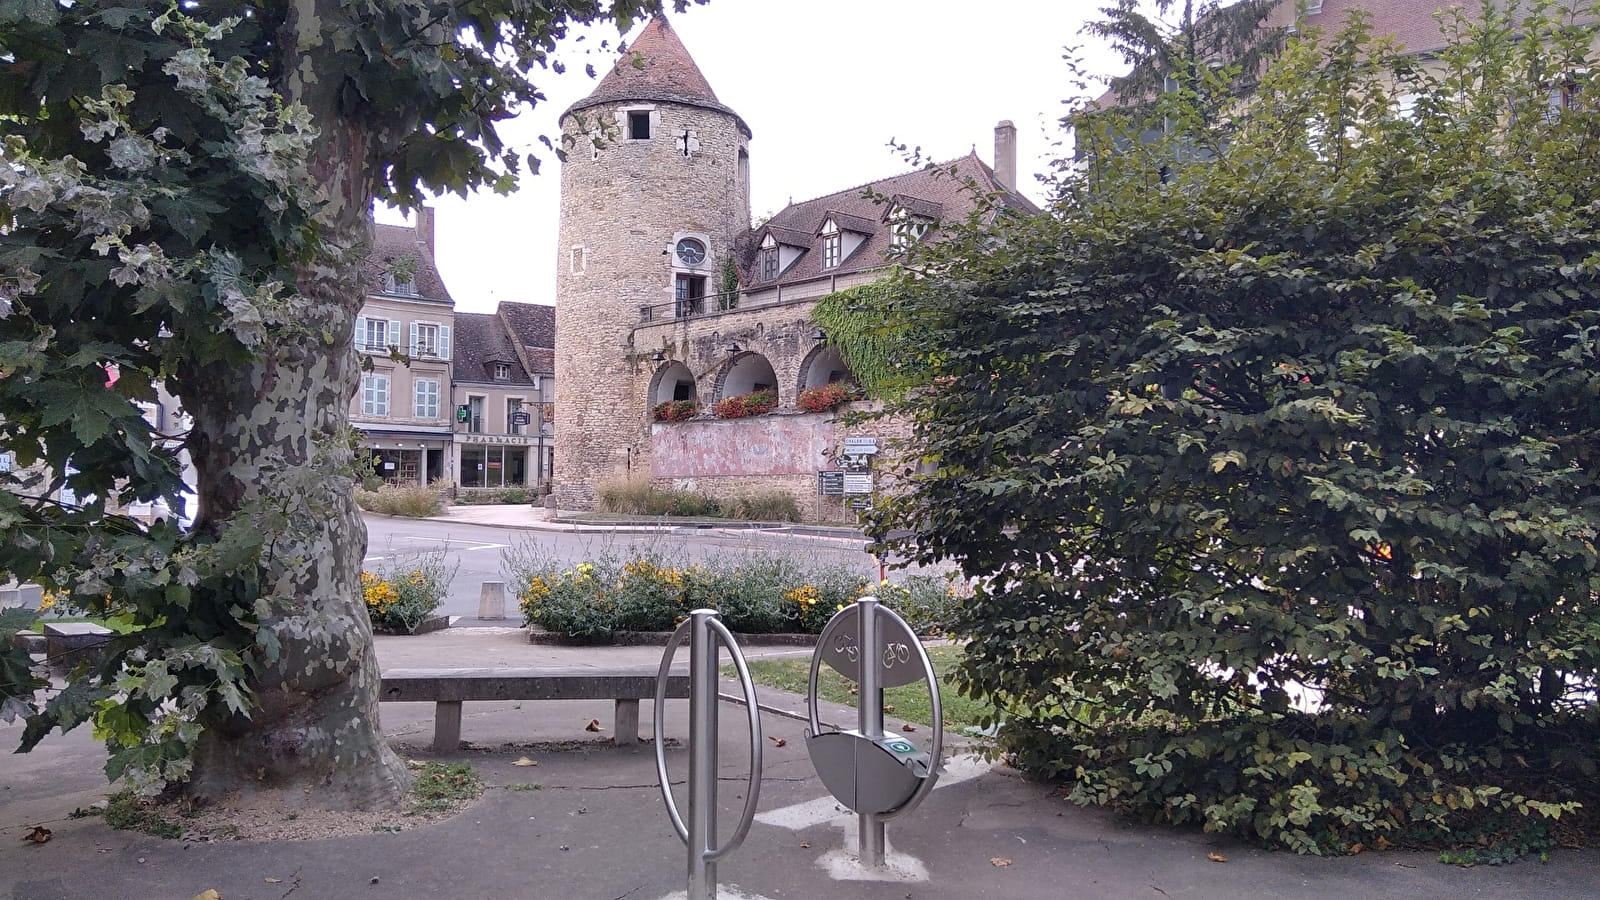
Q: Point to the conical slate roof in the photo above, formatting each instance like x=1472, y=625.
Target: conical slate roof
x=656, y=67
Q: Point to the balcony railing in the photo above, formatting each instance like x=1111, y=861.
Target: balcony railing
x=689, y=308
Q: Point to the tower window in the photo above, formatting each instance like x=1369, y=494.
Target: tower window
x=690, y=293
x=639, y=126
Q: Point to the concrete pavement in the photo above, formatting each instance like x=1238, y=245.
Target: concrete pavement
x=596, y=827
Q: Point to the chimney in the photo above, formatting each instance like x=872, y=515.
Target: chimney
x=424, y=226
x=1005, y=154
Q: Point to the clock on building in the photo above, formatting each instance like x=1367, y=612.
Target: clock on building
x=691, y=252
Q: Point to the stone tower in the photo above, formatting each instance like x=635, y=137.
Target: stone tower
x=654, y=189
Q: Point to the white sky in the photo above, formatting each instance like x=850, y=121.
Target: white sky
x=825, y=85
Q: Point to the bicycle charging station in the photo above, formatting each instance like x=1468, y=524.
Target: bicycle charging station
x=705, y=632
x=875, y=775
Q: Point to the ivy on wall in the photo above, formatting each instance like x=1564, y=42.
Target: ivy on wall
x=861, y=323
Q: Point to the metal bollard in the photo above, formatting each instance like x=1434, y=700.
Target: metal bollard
x=705, y=631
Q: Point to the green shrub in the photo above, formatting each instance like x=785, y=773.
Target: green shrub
x=762, y=506
x=513, y=495
x=410, y=500
x=1283, y=463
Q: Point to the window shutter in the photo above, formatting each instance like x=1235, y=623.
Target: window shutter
x=391, y=332
x=444, y=341
x=361, y=333
x=414, y=336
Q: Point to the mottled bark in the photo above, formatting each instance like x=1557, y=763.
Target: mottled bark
x=274, y=430
x=271, y=432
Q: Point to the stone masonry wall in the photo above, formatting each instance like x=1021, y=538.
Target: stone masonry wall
x=623, y=207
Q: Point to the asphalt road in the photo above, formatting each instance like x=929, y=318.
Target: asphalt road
x=477, y=551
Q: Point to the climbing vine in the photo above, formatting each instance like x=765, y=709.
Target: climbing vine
x=863, y=324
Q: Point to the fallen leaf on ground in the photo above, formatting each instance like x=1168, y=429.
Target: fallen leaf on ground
x=208, y=894
x=908, y=728
x=524, y=761
x=889, y=708
x=38, y=835
x=594, y=725
x=999, y=861
x=274, y=881
x=1214, y=856
x=805, y=845
x=778, y=741
x=415, y=763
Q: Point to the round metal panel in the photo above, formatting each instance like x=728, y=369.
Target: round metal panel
x=899, y=662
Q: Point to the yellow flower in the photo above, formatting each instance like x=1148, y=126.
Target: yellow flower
x=47, y=599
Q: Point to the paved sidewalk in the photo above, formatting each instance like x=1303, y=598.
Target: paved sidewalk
x=596, y=827
x=535, y=518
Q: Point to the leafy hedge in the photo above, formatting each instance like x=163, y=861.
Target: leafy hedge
x=1273, y=451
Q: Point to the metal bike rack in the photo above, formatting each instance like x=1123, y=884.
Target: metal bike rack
x=877, y=776
x=705, y=632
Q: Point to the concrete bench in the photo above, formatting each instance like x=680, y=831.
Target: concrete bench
x=449, y=688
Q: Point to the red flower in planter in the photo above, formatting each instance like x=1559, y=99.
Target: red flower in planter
x=826, y=397
x=673, y=410
x=752, y=404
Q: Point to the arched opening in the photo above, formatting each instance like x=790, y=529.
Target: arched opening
x=825, y=366
x=749, y=372
x=673, y=382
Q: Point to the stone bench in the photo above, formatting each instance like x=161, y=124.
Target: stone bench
x=449, y=688
x=67, y=643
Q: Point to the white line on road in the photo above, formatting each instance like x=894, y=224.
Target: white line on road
x=476, y=545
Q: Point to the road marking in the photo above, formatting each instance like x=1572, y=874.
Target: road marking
x=827, y=810
x=477, y=545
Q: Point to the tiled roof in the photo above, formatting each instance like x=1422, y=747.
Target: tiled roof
x=656, y=67
x=534, y=324
x=848, y=222
x=944, y=186
x=788, y=236
x=481, y=341
x=391, y=243
x=542, y=361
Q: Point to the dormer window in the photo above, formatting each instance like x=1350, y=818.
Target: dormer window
x=908, y=229
x=830, y=244
x=769, y=258
x=402, y=283
x=502, y=372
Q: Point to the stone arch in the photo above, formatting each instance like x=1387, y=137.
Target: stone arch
x=823, y=365
x=749, y=371
x=672, y=381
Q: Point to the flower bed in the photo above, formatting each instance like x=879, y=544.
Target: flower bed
x=752, y=404
x=402, y=598
x=610, y=594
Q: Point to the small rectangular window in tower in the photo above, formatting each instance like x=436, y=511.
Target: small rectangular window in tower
x=690, y=293
x=578, y=261
x=639, y=126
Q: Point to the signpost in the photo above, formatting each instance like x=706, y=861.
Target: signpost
x=830, y=483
